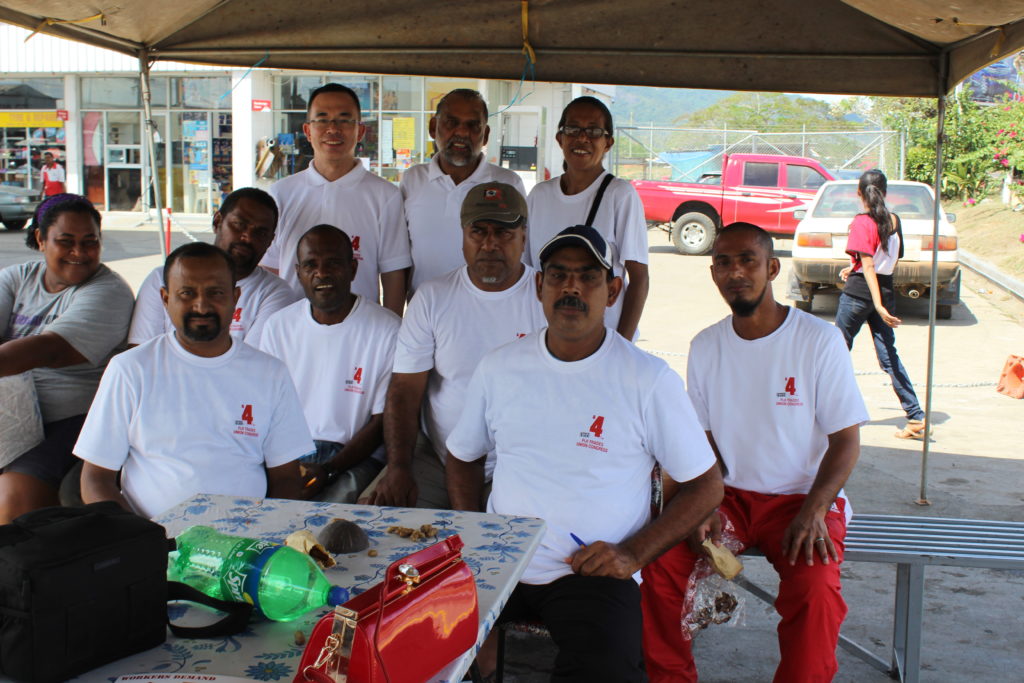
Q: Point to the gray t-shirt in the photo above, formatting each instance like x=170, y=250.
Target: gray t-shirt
x=93, y=317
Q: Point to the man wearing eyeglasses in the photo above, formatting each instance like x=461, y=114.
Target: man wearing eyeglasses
x=434, y=191
x=452, y=322
x=337, y=190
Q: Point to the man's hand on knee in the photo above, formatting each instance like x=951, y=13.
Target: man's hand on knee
x=807, y=537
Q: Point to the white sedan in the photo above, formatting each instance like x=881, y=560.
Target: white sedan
x=819, y=245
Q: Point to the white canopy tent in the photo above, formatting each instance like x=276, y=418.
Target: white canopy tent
x=915, y=48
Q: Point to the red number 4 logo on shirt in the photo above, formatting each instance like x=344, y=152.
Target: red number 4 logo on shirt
x=247, y=413
x=597, y=429
x=791, y=386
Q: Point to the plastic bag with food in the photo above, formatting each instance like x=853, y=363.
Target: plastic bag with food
x=711, y=597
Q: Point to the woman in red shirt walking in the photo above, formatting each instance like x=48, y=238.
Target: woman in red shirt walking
x=875, y=245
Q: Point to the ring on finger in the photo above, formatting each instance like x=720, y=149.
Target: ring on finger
x=819, y=539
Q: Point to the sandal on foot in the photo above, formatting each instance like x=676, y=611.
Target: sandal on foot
x=915, y=429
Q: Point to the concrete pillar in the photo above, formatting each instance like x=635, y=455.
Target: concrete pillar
x=73, y=156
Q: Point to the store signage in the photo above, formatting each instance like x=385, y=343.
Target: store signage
x=30, y=119
x=62, y=114
x=261, y=105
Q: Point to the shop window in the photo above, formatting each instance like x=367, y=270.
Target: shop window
x=402, y=93
x=32, y=93
x=208, y=92
x=439, y=87
x=110, y=93
x=364, y=86
x=401, y=143
x=293, y=91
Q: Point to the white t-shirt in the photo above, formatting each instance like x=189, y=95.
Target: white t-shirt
x=367, y=208
x=341, y=371
x=576, y=442
x=180, y=424
x=620, y=220
x=261, y=294
x=449, y=326
x=433, y=209
x=771, y=403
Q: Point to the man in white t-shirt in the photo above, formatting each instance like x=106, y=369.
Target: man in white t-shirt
x=337, y=190
x=433, y=192
x=339, y=348
x=451, y=323
x=193, y=411
x=579, y=417
x=774, y=389
x=243, y=228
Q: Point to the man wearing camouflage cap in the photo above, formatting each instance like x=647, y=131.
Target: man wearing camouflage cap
x=450, y=324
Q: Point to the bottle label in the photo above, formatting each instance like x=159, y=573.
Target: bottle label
x=239, y=564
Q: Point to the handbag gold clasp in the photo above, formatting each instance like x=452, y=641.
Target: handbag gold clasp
x=410, y=575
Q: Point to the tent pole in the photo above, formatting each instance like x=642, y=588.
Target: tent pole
x=940, y=132
x=151, y=149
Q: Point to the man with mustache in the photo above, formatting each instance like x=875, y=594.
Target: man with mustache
x=579, y=417
x=451, y=323
x=337, y=190
x=243, y=228
x=339, y=348
x=774, y=390
x=194, y=410
x=433, y=192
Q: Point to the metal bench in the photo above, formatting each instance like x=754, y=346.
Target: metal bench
x=911, y=543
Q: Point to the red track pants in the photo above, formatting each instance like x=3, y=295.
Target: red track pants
x=809, y=601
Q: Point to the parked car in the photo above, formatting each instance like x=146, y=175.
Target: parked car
x=763, y=189
x=17, y=205
x=819, y=246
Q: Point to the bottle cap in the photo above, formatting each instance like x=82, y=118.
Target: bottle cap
x=337, y=596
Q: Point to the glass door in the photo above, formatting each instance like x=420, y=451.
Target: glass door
x=123, y=156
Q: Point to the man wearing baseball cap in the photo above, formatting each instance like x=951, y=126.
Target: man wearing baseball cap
x=577, y=418
x=451, y=322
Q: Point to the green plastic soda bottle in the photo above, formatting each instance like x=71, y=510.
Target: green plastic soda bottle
x=281, y=582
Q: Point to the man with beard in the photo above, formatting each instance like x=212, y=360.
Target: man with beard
x=339, y=348
x=451, y=323
x=774, y=389
x=337, y=190
x=194, y=410
x=244, y=228
x=579, y=417
x=433, y=192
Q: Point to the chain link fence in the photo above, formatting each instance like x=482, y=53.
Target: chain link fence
x=687, y=154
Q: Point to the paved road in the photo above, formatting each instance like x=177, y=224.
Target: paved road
x=972, y=622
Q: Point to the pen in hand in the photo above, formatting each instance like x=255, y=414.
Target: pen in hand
x=579, y=541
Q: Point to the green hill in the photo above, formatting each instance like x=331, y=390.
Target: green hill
x=662, y=106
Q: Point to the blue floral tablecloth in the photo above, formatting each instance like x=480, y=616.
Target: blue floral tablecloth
x=497, y=548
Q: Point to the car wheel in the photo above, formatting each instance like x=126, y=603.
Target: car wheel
x=15, y=225
x=804, y=306
x=693, y=233
x=943, y=311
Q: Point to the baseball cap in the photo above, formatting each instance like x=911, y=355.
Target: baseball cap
x=579, y=236
x=496, y=202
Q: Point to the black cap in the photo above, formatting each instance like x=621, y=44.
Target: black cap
x=579, y=236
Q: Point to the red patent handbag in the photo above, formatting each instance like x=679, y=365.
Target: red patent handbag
x=403, y=630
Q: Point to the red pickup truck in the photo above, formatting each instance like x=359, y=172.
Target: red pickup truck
x=762, y=189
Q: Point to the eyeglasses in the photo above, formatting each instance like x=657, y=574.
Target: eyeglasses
x=324, y=124
x=592, y=133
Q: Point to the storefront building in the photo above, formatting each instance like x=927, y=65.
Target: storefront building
x=218, y=129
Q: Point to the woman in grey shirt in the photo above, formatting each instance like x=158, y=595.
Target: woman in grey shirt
x=62, y=318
